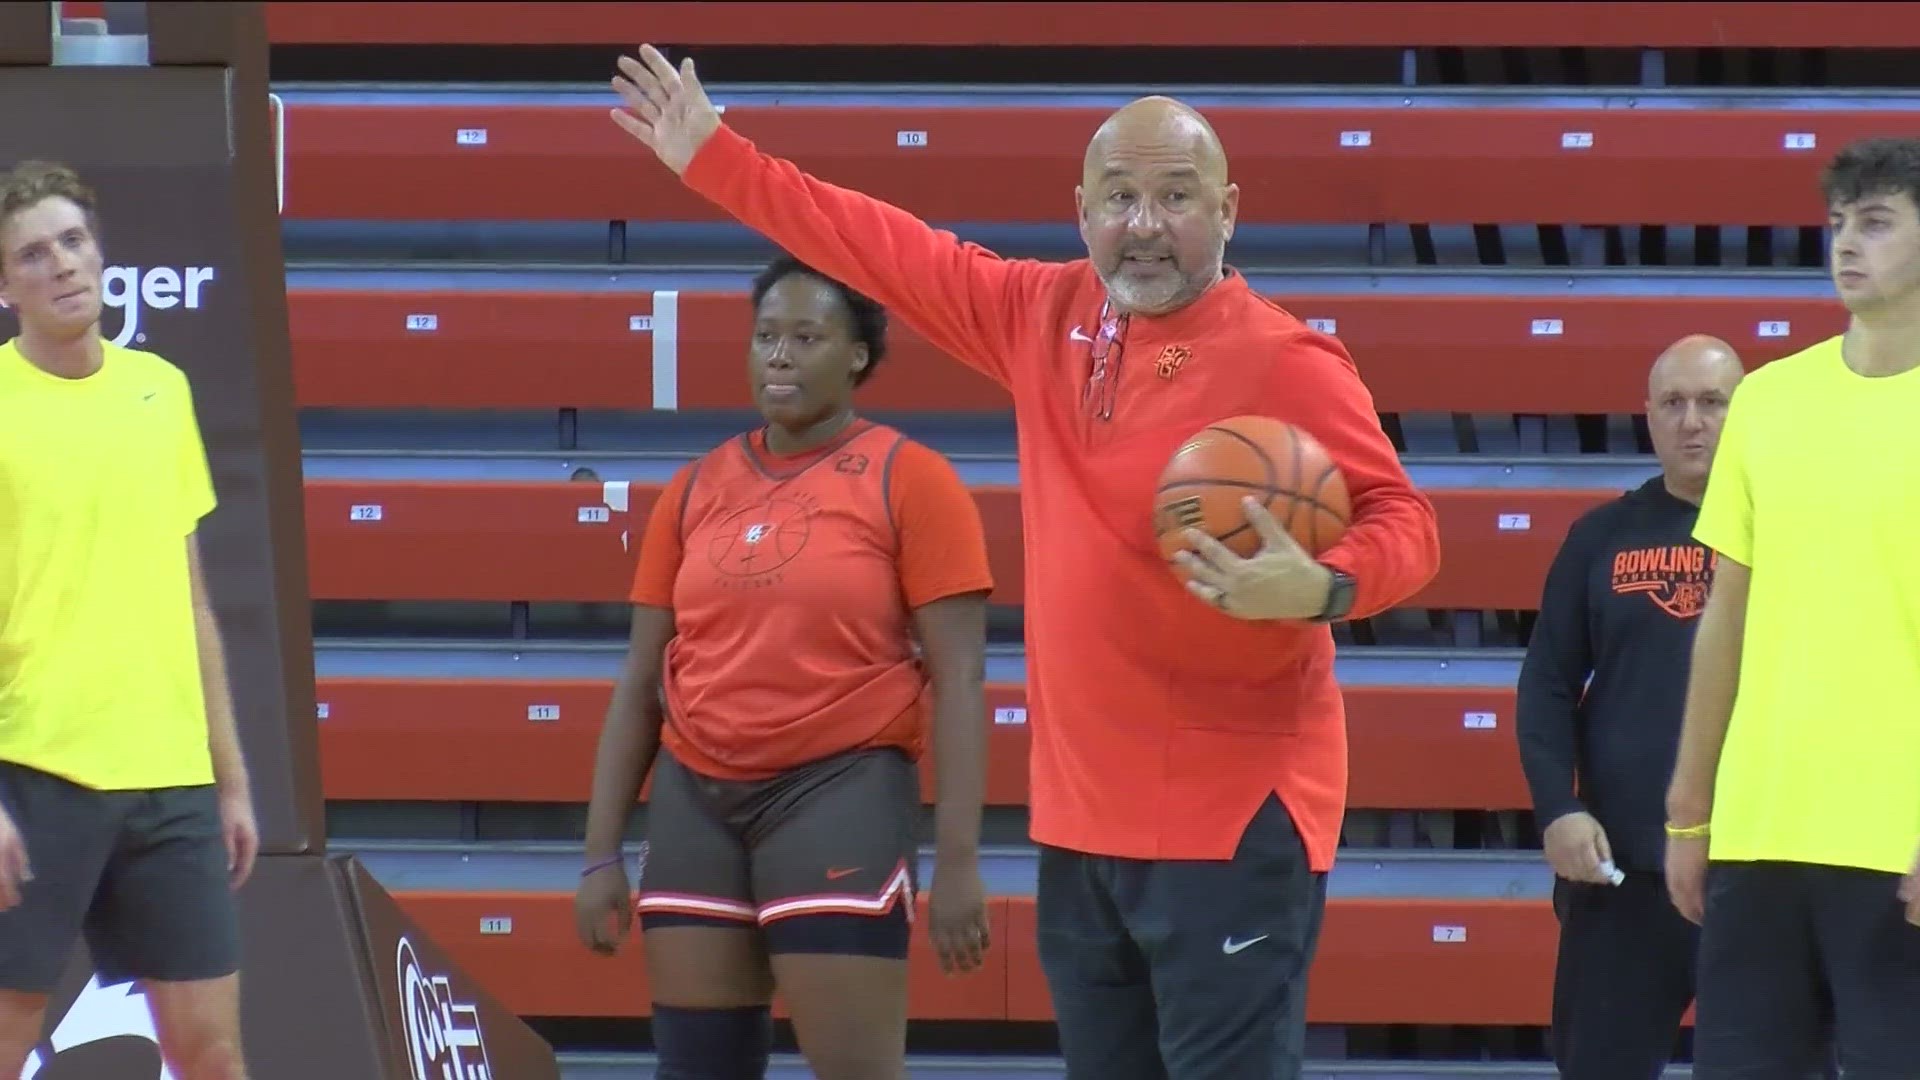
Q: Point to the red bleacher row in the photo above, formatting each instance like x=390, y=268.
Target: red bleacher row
x=387, y=739
x=1628, y=25
x=561, y=541
x=1380, y=961
x=499, y=349
x=1295, y=166
x=1413, y=748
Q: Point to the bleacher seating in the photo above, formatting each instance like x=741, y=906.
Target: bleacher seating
x=1592, y=25
x=1425, y=736
x=1338, y=158
x=523, y=295
x=1399, y=940
x=1553, y=352
x=466, y=538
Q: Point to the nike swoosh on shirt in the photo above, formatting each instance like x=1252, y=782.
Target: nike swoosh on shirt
x=1231, y=946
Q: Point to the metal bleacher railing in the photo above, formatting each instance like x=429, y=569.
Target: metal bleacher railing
x=521, y=297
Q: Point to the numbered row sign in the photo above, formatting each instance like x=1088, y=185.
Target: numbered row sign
x=1765, y=328
x=913, y=139
x=429, y=322
x=540, y=714
x=586, y=515
x=1584, y=140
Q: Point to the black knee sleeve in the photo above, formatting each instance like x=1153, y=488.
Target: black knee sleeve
x=712, y=1044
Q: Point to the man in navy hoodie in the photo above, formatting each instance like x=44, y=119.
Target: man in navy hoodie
x=1600, y=701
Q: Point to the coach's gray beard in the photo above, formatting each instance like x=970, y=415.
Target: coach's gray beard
x=1155, y=297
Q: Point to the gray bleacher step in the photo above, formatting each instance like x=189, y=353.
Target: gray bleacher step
x=554, y=866
x=630, y=444
x=1284, y=259
x=576, y=1066
x=823, y=95
x=979, y=461
x=359, y=658
x=1319, y=281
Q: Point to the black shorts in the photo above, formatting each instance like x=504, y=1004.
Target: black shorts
x=141, y=874
x=1787, y=949
x=821, y=858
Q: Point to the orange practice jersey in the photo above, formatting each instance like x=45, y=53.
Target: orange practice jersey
x=1159, y=724
x=792, y=582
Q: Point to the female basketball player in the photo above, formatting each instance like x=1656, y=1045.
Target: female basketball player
x=773, y=686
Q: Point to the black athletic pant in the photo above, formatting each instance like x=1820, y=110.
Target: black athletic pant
x=1623, y=979
x=1779, y=937
x=1183, y=970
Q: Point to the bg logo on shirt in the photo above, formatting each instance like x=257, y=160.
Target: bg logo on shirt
x=1674, y=577
x=757, y=540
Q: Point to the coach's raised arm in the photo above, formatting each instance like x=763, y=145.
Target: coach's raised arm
x=958, y=295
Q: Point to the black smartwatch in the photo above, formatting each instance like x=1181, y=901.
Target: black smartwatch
x=1339, y=598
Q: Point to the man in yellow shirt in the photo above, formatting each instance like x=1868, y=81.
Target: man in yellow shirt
x=1794, y=809
x=125, y=810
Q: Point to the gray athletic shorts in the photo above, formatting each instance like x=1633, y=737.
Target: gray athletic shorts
x=141, y=874
x=820, y=858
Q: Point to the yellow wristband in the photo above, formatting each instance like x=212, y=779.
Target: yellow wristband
x=1691, y=832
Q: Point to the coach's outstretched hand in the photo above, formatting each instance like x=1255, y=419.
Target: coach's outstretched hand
x=14, y=871
x=665, y=109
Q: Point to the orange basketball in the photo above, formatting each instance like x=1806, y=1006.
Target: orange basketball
x=1279, y=464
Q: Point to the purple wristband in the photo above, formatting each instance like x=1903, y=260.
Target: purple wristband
x=594, y=868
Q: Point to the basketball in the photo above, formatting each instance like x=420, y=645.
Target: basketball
x=1279, y=464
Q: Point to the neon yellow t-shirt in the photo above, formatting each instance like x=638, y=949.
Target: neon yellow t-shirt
x=1814, y=488
x=102, y=481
